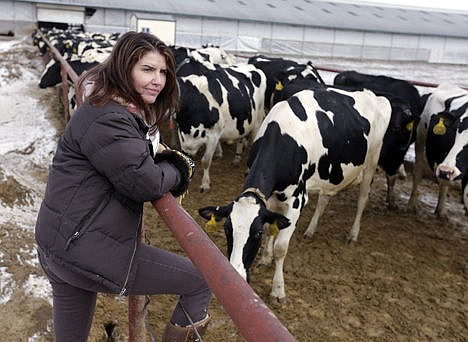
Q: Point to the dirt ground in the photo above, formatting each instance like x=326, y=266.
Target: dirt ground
x=404, y=280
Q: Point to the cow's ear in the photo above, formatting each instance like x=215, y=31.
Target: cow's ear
x=280, y=220
x=214, y=215
x=218, y=212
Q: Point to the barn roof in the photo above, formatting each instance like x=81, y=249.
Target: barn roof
x=344, y=14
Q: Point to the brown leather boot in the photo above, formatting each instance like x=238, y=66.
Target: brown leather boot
x=174, y=333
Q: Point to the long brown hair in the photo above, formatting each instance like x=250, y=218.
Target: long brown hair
x=112, y=78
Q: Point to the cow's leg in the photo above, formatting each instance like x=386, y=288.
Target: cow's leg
x=441, y=210
x=391, y=191
x=465, y=197
x=417, y=170
x=402, y=172
x=239, y=149
x=280, y=250
x=219, y=150
x=206, y=163
x=267, y=255
x=322, y=203
x=364, y=189
x=417, y=176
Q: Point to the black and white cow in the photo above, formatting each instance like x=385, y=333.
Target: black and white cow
x=225, y=104
x=442, y=144
x=213, y=55
x=397, y=87
x=51, y=75
x=321, y=141
x=275, y=69
x=406, y=110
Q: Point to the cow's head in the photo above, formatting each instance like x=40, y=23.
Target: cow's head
x=244, y=227
x=441, y=134
x=400, y=134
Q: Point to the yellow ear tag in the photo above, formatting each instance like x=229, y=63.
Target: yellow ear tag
x=274, y=230
x=279, y=86
x=409, y=126
x=439, y=128
x=211, y=226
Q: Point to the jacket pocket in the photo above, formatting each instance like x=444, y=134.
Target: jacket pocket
x=87, y=220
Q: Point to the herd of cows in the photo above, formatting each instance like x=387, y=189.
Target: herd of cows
x=303, y=136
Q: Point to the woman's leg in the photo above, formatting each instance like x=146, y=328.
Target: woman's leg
x=73, y=307
x=161, y=272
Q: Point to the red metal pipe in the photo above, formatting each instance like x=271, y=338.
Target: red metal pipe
x=416, y=83
x=250, y=314
x=136, y=319
x=69, y=70
x=137, y=310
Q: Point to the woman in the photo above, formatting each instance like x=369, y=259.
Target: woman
x=89, y=224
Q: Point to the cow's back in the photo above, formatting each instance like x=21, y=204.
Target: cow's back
x=339, y=131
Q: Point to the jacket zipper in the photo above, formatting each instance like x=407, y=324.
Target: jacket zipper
x=72, y=238
x=124, y=287
x=85, y=220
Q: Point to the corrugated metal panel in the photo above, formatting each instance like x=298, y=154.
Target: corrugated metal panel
x=345, y=15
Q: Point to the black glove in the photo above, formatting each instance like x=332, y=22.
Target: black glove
x=183, y=163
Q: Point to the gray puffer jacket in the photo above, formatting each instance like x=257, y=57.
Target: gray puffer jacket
x=102, y=173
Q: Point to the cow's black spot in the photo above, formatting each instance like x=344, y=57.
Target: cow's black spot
x=296, y=203
x=344, y=131
x=297, y=108
x=194, y=108
x=281, y=197
x=267, y=169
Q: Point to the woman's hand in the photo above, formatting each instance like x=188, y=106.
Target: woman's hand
x=183, y=163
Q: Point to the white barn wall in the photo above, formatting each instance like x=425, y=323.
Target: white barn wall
x=17, y=17
x=270, y=38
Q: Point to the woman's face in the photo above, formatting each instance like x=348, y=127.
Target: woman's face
x=149, y=76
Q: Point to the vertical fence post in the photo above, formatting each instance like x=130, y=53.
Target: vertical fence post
x=65, y=101
x=137, y=312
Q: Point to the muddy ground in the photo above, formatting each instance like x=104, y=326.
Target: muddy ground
x=404, y=280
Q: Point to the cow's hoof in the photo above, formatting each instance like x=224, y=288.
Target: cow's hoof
x=308, y=236
x=392, y=207
x=276, y=300
x=263, y=264
x=350, y=240
x=442, y=217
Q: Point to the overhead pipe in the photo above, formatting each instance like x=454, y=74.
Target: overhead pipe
x=416, y=83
